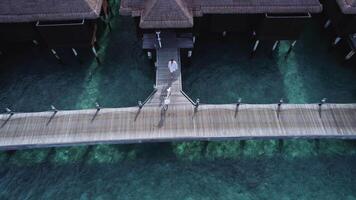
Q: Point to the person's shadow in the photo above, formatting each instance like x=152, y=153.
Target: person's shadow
x=162, y=119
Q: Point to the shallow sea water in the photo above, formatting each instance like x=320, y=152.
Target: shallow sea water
x=220, y=72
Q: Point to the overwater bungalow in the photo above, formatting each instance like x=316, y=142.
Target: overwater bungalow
x=341, y=15
x=264, y=19
x=54, y=23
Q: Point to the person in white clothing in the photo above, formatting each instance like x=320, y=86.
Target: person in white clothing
x=172, y=66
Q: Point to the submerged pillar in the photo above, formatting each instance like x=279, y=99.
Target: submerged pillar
x=257, y=42
x=96, y=55
x=56, y=56
x=291, y=47
x=349, y=55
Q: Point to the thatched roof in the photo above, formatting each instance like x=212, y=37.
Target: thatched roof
x=48, y=10
x=347, y=6
x=177, y=13
x=166, y=14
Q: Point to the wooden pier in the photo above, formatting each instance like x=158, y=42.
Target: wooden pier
x=170, y=49
x=179, y=122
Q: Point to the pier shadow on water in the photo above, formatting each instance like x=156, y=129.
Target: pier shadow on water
x=262, y=169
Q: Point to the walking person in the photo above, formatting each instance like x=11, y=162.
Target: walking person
x=172, y=66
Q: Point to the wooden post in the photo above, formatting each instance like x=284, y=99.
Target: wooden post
x=190, y=53
x=224, y=33
x=327, y=24
x=75, y=53
x=291, y=47
x=257, y=42
x=96, y=55
x=349, y=55
x=279, y=107
x=197, y=103
x=336, y=41
x=322, y=102
x=140, y=105
x=9, y=111
x=97, y=106
x=238, y=102
x=57, y=56
x=238, y=106
x=149, y=55
x=35, y=42
x=54, y=109
x=275, y=45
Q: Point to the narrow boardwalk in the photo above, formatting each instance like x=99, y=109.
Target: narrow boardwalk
x=169, y=50
x=208, y=122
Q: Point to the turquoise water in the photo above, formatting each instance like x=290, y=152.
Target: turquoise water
x=220, y=72
x=298, y=169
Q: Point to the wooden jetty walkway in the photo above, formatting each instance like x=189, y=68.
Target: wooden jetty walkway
x=170, y=49
x=181, y=121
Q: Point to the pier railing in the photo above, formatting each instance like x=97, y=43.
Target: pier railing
x=141, y=104
x=195, y=104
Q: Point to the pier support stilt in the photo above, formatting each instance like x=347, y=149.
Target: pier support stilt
x=350, y=55
x=56, y=56
x=96, y=55
x=190, y=53
x=75, y=53
x=149, y=55
x=291, y=47
x=35, y=42
x=275, y=45
x=327, y=24
x=239, y=101
x=335, y=42
x=224, y=33
x=255, y=46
